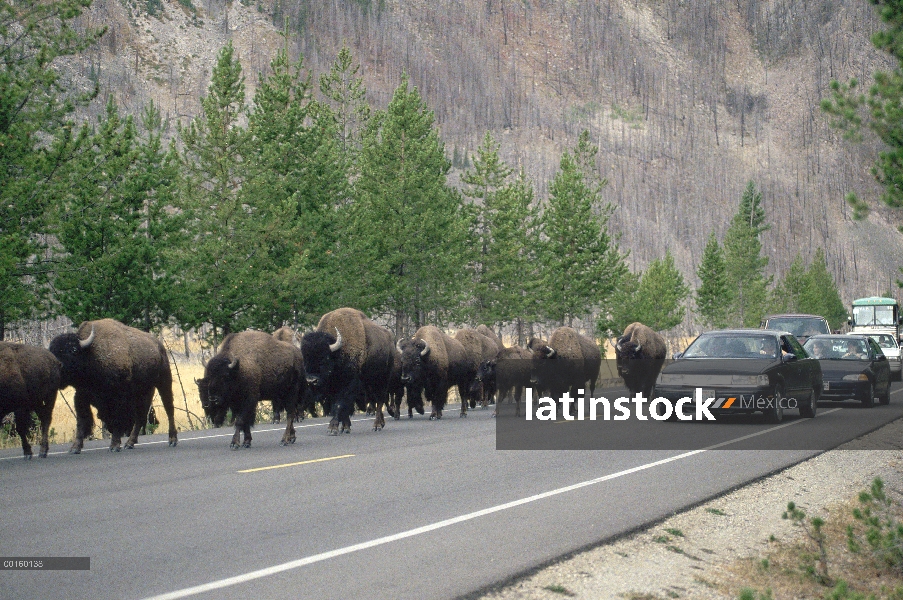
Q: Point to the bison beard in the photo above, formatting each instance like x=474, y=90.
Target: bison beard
x=252, y=366
x=29, y=380
x=115, y=368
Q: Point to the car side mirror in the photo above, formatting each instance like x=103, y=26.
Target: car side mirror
x=788, y=357
x=881, y=357
x=677, y=355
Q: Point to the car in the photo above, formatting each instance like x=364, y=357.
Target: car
x=802, y=326
x=891, y=349
x=746, y=370
x=853, y=367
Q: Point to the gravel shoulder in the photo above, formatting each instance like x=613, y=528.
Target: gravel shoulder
x=692, y=559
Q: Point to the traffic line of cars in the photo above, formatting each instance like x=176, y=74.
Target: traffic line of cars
x=768, y=370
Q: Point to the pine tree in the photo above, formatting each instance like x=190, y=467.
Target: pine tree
x=343, y=88
x=788, y=293
x=406, y=248
x=483, y=183
x=219, y=273
x=580, y=263
x=114, y=227
x=713, y=296
x=745, y=265
x=38, y=141
x=820, y=295
x=661, y=294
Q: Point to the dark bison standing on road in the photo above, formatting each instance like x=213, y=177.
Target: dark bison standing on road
x=431, y=363
x=29, y=380
x=640, y=353
x=114, y=368
x=478, y=348
x=512, y=374
x=349, y=363
x=567, y=362
x=397, y=392
x=252, y=366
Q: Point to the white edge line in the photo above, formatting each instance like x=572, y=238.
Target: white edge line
x=294, y=564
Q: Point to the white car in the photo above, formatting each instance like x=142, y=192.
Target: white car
x=891, y=350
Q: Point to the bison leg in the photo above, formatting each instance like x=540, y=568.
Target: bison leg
x=235, y=444
x=380, y=421
x=289, y=436
x=346, y=424
x=333, y=427
x=166, y=397
x=84, y=421
x=246, y=428
x=23, y=425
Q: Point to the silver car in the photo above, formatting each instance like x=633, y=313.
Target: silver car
x=891, y=350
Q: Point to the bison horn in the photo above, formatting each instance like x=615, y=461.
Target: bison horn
x=550, y=352
x=89, y=341
x=338, y=341
x=426, y=349
x=639, y=347
x=234, y=363
x=398, y=345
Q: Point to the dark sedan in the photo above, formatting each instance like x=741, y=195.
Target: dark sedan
x=745, y=370
x=853, y=367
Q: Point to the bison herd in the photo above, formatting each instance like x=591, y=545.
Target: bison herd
x=347, y=363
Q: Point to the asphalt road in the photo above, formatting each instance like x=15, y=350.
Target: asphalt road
x=419, y=510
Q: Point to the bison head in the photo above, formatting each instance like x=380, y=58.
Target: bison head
x=413, y=355
x=220, y=383
x=541, y=370
x=627, y=351
x=486, y=371
x=321, y=356
x=73, y=353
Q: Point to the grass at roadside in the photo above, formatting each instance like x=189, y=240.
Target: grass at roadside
x=852, y=552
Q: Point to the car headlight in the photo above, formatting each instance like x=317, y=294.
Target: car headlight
x=859, y=377
x=758, y=380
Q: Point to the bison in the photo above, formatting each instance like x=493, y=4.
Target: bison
x=114, y=368
x=349, y=362
x=397, y=391
x=484, y=330
x=478, y=348
x=431, y=363
x=288, y=335
x=567, y=362
x=640, y=353
x=252, y=366
x=509, y=372
x=29, y=380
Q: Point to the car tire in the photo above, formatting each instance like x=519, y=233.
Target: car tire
x=776, y=413
x=869, y=400
x=808, y=410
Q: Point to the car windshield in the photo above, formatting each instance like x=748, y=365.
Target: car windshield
x=723, y=345
x=873, y=315
x=840, y=347
x=799, y=326
x=885, y=341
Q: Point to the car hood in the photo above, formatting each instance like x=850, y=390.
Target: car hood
x=720, y=366
x=837, y=368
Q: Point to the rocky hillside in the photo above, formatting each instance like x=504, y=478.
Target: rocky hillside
x=687, y=99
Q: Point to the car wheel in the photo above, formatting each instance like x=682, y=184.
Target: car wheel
x=808, y=410
x=775, y=414
x=869, y=400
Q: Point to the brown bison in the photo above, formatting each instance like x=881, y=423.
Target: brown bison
x=288, y=335
x=511, y=373
x=29, y=380
x=566, y=363
x=252, y=366
x=640, y=353
x=114, y=368
x=397, y=392
x=431, y=363
x=484, y=330
x=479, y=348
x=348, y=360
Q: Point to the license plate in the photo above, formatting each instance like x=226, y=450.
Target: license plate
x=826, y=386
